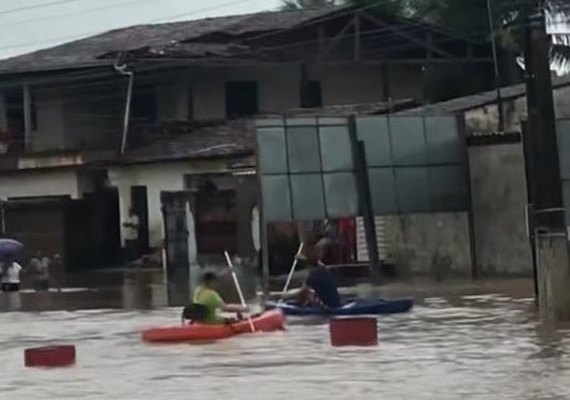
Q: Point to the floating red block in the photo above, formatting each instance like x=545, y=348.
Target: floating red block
x=354, y=332
x=50, y=356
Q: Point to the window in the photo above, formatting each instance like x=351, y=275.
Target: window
x=143, y=104
x=241, y=99
x=311, y=95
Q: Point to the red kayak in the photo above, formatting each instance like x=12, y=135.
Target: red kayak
x=269, y=321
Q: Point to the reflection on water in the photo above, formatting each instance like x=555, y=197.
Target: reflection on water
x=473, y=347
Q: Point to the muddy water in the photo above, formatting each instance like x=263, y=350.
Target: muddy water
x=469, y=347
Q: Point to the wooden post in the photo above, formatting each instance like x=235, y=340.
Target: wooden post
x=176, y=238
x=553, y=273
x=529, y=217
x=356, y=38
x=365, y=199
x=28, y=128
x=386, y=95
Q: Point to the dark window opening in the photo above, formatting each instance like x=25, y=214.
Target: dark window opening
x=241, y=99
x=144, y=105
x=190, y=104
x=311, y=95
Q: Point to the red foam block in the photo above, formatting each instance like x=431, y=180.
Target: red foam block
x=50, y=356
x=354, y=332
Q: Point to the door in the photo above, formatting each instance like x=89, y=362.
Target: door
x=174, y=208
x=139, y=204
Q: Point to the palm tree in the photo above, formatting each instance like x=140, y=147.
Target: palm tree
x=469, y=18
x=558, y=25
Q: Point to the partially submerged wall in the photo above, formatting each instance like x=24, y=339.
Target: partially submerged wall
x=439, y=244
x=430, y=244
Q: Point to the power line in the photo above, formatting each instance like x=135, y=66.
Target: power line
x=289, y=45
x=99, y=32
x=36, y=6
x=58, y=16
x=175, y=16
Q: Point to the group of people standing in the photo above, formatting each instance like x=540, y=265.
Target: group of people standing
x=39, y=269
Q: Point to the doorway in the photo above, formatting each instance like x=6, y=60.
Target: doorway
x=139, y=205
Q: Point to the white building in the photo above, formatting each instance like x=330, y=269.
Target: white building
x=64, y=137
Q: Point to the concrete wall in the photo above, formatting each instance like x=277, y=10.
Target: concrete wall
x=89, y=115
x=93, y=119
x=562, y=102
x=75, y=118
x=486, y=118
x=50, y=132
x=439, y=244
x=350, y=84
x=173, y=101
x=39, y=183
x=3, y=116
x=279, y=87
x=157, y=178
x=499, y=196
x=430, y=244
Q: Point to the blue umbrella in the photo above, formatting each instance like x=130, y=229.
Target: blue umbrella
x=10, y=247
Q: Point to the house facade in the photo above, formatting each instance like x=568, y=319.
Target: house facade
x=502, y=237
x=104, y=125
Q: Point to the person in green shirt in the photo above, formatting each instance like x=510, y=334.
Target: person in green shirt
x=211, y=301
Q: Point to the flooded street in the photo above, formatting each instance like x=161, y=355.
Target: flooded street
x=464, y=347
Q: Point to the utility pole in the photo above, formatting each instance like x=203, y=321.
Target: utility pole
x=496, y=65
x=542, y=118
x=553, y=273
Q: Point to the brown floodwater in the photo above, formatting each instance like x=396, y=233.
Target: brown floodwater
x=456, y=346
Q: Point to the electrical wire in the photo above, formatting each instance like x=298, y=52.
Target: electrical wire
x=99, y=32
x=37, y=6
x=73, y=14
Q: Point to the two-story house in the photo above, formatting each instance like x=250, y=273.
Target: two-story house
x=97, y=127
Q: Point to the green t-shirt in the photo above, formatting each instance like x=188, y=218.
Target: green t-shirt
x=212, y=301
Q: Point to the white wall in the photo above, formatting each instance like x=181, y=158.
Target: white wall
x=406, y=82
x=279, y=87
x=74, y=117
x=349, y=84
x=562, y=102
x=50, y=134
x=90, y=115
x=157, y=178
x=93, y=117
x=173, y=101
x=36, y=183
x=3, y=116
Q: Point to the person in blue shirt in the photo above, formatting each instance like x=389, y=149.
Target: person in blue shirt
x=320, y=288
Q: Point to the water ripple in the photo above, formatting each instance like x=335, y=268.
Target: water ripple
x=476, y=347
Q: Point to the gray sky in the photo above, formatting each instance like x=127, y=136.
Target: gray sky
x=28, y=25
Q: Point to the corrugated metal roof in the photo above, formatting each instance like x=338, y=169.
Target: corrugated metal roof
x=156, y=37
x=466, y=103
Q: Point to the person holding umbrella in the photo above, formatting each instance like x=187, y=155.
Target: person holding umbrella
x=10, y=269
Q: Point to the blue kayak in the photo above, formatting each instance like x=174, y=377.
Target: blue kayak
x=355, y=307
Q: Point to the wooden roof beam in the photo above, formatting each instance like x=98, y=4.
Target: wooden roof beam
x=405, y=35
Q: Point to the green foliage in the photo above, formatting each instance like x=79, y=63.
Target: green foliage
x=305, y=4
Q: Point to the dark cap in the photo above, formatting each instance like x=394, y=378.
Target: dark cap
x=209, y=277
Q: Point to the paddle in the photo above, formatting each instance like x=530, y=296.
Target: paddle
x=290, y=276
x=238, y=288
